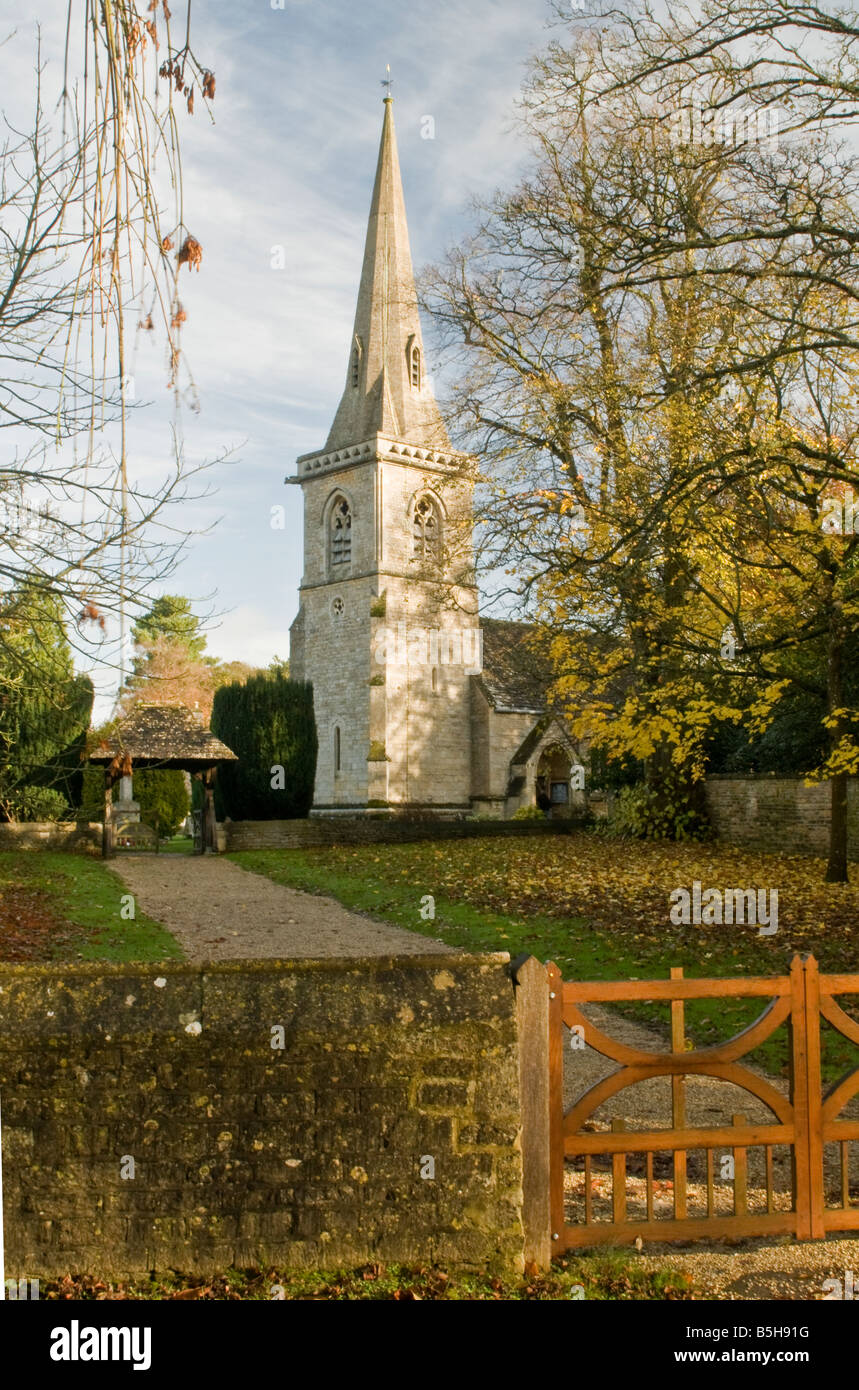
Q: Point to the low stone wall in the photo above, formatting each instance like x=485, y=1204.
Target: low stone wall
x=778, y=813
x=152, y=1119
x=361, y=830
x=78, y=836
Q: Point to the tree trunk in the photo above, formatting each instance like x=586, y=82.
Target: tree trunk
x=836, y=869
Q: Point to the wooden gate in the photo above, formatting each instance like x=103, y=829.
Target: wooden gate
x=818, y=1196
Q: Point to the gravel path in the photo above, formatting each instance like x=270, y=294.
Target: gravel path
x=762, y=1269
x=217, y=911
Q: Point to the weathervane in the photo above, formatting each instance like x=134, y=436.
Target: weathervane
x=387, y=82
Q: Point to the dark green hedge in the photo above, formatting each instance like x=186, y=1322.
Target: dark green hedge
x=268, y=722
x=163, y=797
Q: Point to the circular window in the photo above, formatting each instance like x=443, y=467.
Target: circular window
x=338, y=607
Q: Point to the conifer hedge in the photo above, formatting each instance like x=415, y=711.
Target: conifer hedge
x=44, y=709
x=268, y=722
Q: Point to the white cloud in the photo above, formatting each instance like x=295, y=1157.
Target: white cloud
x=249, y=634
x=290, y=161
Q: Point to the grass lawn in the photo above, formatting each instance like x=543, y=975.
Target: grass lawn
x=62, y=907
x=600, y=909
x=180, y=844
x=612, y=1274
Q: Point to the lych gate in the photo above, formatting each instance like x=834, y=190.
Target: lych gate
x=169, y=738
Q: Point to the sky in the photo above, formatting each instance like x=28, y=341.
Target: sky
x=289, y=162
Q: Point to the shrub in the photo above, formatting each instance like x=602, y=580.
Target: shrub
x=163, y=798
x=44, y=708
x=37, y=803
x=268, y=723
x=91, y=807
x=161, y=793
x=643, y=813
x=529, y=813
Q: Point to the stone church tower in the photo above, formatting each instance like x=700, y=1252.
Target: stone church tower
x=387, y=628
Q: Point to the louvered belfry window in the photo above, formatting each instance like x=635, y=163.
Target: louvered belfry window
x=425, y=530
x=341, y=532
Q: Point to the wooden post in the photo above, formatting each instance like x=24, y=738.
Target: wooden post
x=741, y=1174
x=197, y=816
x=618, y=1175
x=811, y=975
x=107, y=824
x=555, y=1002
x=532, y=1026
x=678, y=1098
x=209, y=813
x=800, y=1169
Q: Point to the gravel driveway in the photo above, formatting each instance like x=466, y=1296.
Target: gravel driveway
x=217, y=911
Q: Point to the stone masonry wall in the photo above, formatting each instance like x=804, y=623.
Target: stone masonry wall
x=778, y=814
x=289, y=834
x=360, y=830
x=244, y=1154
x=66, y=835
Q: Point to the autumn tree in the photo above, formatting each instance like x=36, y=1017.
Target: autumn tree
x=558, y=378
x=170, y=664
x=730, y=72
x=171, y=617
x=647, y=500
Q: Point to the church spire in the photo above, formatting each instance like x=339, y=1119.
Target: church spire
x=386, y=387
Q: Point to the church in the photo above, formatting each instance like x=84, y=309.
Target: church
x=422, y=707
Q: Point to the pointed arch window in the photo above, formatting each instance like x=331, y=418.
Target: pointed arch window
x=341, y=532
x=426, y=530
x=355, y=369
x=413, y=359
x=337, y=748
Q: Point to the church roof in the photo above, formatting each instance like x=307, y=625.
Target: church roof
x=379, y=396
x=514, y=677
x=166, y=736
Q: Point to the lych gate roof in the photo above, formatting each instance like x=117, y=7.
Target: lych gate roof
x=169, y=736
